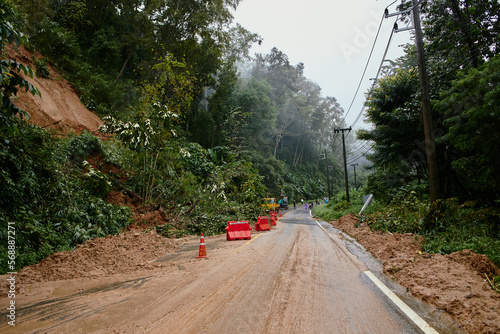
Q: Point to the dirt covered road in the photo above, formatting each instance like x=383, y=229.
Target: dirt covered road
x=296, y=278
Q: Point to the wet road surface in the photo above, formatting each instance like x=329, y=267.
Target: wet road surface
x=296, y=278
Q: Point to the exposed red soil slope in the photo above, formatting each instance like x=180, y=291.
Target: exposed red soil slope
x=59, y=106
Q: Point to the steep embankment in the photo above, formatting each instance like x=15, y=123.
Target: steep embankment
x=59, y=107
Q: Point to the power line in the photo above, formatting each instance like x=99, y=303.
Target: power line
x=364, y=71
x=378, y=73
x=357, y=156
x=363, y=146
x=442, y=47
x=362, y=76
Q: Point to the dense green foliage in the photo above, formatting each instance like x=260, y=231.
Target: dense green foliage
x=113, y=54
x=454, y=228
x=463, y=57
x=204, y=142
x=192, y=137
x=464, y=86
x=52, y=196
x=10, y=81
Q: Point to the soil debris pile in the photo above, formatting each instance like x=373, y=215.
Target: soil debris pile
x=455, y=283
x=111, y=255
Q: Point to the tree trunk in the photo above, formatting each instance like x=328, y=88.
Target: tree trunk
x=124, y=64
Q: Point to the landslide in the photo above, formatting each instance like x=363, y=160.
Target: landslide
x=59, y=107
x=455, y=283
x=60, y=110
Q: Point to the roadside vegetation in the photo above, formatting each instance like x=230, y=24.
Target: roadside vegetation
x=183, y=133
x=453, y=228
x=200, y=129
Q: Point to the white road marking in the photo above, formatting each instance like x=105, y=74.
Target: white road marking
x=421, y=323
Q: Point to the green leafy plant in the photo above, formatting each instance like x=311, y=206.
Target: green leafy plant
x=42, y=68
x=53, y=203
x=170, y=231
x=10, y=81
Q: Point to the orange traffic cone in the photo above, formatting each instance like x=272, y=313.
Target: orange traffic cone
x=203, y=249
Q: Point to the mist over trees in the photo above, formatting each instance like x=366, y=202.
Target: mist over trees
x=109, y=51
x=205, y=143
x=194, y=137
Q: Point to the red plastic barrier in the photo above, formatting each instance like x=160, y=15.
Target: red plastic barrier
x=262, y=224
x=237, y=230
x=273, y=218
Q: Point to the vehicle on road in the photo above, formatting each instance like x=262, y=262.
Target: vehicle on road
x=269, y=204
x=283, y=202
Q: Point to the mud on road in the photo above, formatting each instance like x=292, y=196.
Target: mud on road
x=292, y=279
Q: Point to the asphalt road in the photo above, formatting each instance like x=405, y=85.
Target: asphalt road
x=297, y=278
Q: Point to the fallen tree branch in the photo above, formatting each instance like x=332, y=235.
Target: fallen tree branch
x=46, y=126
x=191, y=209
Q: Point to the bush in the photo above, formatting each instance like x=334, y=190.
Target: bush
x=80, y=147
x=170, y=231
x=51, y=203
x=463, y=226
x=451, y=228
x=338, y=206
x=42, y=68
x=405, y=214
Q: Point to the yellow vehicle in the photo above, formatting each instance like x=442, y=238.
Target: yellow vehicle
x=270, y=204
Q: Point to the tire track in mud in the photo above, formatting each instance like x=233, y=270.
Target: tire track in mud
x=67, y=309
x=320, y=290
x=292, y=279
x=285, y=286
x=248, y=281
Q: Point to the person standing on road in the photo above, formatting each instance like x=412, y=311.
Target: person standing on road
x=306, y=206
x=294, y=204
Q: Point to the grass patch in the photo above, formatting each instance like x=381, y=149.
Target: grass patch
x=452, y=228
x=339, y=207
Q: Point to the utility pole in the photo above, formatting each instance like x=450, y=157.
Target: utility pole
x=430, y=146
x=345, y=161
x=355, y=183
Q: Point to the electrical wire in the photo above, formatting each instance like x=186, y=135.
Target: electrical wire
x=378, y=73
x=363, y=75
x=364, y=71
x=355, y=155
x=367, y=144
x=381, y=63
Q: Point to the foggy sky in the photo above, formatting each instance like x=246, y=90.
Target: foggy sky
x=332, y=38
